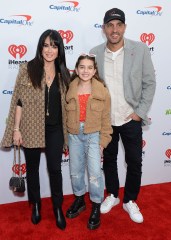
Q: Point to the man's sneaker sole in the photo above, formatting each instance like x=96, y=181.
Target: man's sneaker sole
x=117, y=201
x=133, y=219
x=73, y=215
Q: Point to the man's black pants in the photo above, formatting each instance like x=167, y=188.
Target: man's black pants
x=131, y=135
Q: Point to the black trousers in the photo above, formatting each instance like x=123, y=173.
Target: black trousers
x=131, y=135
x=53, y=151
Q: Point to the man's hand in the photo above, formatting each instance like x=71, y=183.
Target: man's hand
x=134, y=117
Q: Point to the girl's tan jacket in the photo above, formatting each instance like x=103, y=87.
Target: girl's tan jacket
x=97, y=111
x=32, y=125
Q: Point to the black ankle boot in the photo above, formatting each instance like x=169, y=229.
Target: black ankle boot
x=94, y=220
x=77, y=207
x=36, y=217
x=60, y=219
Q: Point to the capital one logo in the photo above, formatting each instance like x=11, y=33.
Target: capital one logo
x=67, y=35
x=19, y=168
x=14, y=50
x=147, y=38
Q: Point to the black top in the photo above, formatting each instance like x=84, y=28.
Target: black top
x=54, y=106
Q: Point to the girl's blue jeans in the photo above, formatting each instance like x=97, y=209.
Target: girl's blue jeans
x=84, y=151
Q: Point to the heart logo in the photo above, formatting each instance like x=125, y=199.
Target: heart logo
x=66, y=153
x=168, y=153
x=147, y=38
x=67, y=35
x=20, y=50
x=143, y=143
x=16, y=169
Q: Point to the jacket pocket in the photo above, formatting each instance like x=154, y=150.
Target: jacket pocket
x=96, y=110
x=70, y=107
x=97, y=106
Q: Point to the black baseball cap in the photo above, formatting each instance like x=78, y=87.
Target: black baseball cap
x=113, y=14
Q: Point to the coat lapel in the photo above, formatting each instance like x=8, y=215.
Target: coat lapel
x=128, y=60
x=97, y=90
x=72, y=92
x=100, y=60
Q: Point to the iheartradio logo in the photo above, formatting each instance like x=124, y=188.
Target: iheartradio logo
x=168, y=153
x=20, y=50
x=67, y=35
x=143, y=143
x=16, y=168
x=66, y=153
x=147, y=38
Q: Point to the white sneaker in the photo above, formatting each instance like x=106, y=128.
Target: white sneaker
x=134, y=212
x=108, y=203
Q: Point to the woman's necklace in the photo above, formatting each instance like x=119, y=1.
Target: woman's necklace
x=49, y=80
x=47, y=107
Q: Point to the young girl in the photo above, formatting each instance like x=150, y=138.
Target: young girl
x=89, y=127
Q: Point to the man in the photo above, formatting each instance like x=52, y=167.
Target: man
x=127, y=69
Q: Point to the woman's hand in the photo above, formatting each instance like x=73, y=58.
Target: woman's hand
x=17, y=138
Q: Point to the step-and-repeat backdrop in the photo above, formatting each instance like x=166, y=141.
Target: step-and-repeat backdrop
x=80, y=25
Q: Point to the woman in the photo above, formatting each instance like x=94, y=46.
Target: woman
x=37, y=119
x=89, y=127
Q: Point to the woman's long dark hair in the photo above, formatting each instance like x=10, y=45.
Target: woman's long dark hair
x=93, y=59
x=36, y=65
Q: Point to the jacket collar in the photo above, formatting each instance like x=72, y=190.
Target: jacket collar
x=97, y=90
x=96, y=93
x=128, y=44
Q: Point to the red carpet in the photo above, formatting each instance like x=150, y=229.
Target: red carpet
x=154, y=200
